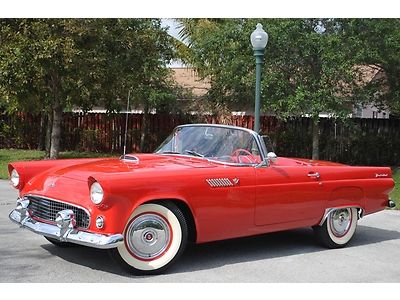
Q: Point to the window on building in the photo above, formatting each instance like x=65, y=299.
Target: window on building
x=358, y=111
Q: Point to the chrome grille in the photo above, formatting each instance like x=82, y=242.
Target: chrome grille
x=47, y=209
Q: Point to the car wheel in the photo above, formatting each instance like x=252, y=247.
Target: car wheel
x=60, y=244
x=338, y=228
x=155, y=236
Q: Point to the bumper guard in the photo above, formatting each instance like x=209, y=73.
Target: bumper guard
x=64, y=231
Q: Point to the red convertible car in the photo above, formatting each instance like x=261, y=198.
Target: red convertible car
x=204, y=183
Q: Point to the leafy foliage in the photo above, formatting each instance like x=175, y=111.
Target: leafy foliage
x=376, y=42
x=395, y=194
x=97, y=60
x=51, y=65
x=307, y=70
x=311, y=65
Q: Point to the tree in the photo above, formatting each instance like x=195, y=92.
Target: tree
x=53, y=65
x=307, y=70
x=376, y=42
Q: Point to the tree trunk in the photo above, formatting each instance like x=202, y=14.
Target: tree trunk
x=56, y=129
x=48, y=133
x=42, y=129
x=143, y=134
x=315, y=138
x=57, y=116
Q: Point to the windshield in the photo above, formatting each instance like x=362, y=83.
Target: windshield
x=224, y=144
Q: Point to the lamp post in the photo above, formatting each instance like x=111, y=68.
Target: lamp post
x=259, y=40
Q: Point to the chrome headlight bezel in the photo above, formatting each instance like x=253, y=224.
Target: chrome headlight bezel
x=96, y=193
x=14, y=178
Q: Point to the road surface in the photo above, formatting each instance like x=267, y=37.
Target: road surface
x=291, y=256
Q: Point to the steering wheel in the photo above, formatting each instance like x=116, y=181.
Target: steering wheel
x=250, y=156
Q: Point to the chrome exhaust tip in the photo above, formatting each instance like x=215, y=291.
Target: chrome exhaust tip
x=391, y=204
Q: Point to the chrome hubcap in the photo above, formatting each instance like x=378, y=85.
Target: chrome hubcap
x=340, y=221
x=148, y=236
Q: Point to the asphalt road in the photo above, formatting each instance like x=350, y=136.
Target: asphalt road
x=291, y=256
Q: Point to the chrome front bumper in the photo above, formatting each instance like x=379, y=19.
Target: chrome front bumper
x=65, y=231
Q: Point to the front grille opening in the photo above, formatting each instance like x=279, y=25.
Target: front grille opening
x=47, y=210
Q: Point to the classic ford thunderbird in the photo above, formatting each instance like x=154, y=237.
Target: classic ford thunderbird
x=204, y=183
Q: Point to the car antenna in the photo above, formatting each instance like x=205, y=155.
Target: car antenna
x=126, y=123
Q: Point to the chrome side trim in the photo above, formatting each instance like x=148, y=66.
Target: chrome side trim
x=329, y=210
x=219, y=182
x=71, y=235
x=377, y=175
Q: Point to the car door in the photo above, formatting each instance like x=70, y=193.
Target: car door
x=288, y=194
x=224, y=206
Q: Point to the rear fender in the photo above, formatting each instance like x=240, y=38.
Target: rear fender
x=344, y=197
x=360, y=211
x=349, y=196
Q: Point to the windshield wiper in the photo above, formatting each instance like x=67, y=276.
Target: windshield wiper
x=191, y=152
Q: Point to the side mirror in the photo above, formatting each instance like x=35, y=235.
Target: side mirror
x=272, y=157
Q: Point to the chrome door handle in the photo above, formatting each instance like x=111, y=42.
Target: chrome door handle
x=313, y=174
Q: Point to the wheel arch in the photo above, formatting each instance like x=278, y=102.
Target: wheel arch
x=360, y=211
x=184, y=208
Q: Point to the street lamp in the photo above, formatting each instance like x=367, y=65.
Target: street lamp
x=259, y=39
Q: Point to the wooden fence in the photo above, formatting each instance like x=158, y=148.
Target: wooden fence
x=357, y=141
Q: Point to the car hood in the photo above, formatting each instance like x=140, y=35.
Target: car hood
x=135, y=164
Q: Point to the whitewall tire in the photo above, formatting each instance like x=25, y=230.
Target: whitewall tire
x=338, y=228
x=154, y=237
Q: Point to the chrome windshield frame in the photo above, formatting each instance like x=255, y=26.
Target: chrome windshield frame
x=259, y=142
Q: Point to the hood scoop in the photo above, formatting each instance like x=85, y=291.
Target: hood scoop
x=130, y=158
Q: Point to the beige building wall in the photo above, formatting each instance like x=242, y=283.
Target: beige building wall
x=189, y=79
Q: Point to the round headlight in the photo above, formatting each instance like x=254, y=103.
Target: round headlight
x=14, y=177
x=96, y=193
